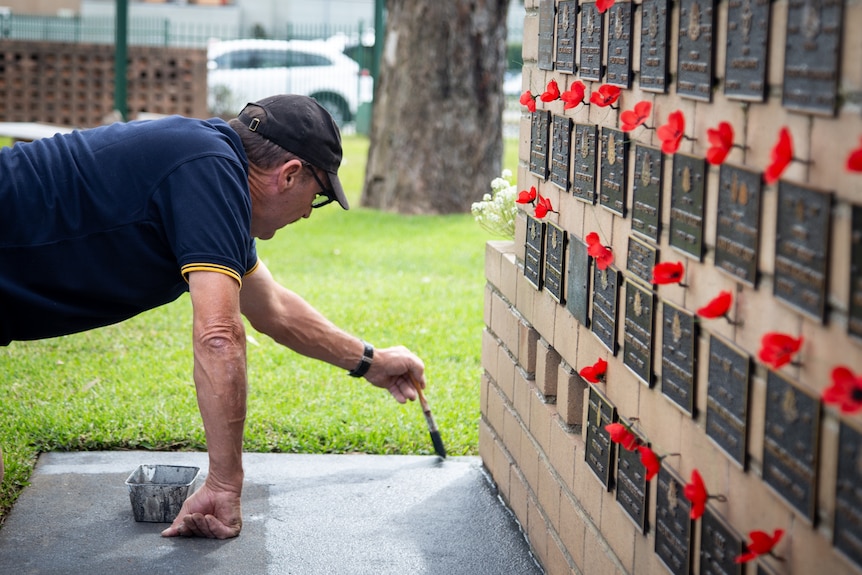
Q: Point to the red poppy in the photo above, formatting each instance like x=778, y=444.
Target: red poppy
x=721, y=141
x=782, y=154
x=543, y=207
x=551, y=93
x=603, y=5
x=596, y=372
x=776, y=349
x=761, y=544
x=631, y=119
x=696, y=493
x=605, y=96
x=854, y=160
x=525, y=197
x=528, y=100
x=603, y=255
x=574, y=95
x=622, y=435
x=671, y=133
x=717, y=307
x=650, y=460
x=667, y=273
x=845, y=391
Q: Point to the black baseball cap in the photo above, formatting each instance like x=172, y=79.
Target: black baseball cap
x=302, y=126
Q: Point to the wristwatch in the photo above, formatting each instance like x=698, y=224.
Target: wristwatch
x=365, y=362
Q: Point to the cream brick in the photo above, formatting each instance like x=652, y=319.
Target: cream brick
x=547, y=364
x=588, y=491
x=762, y=313
x=529, y=460
x=556, y=559
x=598, y=558
x=828, y=172
x=509, y=274
x=524, y=390
x=839, y=270
x=565, y=447
x=764, y=125
x=486, y=305
x=528, y=341
x=541, y=415
x=660, y=422
x=527, y=297
x=827, y=474
x=775, y=51
x=530, y=50
x=572, y=530
x=506, y=374
x=519, y=495
x=490, y=348
x=512, y=436
x=851, y=75
x=620, y=532
x=544, y=315
x=566, y=330
x=756, y=419
x=548, y=492
x=496, y=409
x=537, y=531
x=493, y=257
x=570, y=395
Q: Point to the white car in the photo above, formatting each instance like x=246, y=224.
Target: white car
x=242, y=71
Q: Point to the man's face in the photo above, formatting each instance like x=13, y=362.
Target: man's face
x=295, y=192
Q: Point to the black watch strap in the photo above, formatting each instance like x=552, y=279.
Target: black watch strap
x=364, y=363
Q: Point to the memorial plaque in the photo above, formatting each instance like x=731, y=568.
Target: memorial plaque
x=747, y=44
x=615, y=161
x=561, y=149
x=632, y=487
x=719, y=546
x=638, y=331
x=620, y=45
x=727, y=399
x=534, y=251
x=555, y=261
x=599, y=448
x=696, y=55
x=605, y=298
x=790, y=444
x=738, y=226
x=646, y=202
x=854, y=321
x=812, y=55
x=578, y=299
x=641, y=259
x=592, y=33
x=802, y=248
x=655, y=37
x=546, y=35
x=673, y=525
x=688, y=189
x=540, y=128
x=567, y=25
x=586, y=161
x=847, y=531
x=679, y=356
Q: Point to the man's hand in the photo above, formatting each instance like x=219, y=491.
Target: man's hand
x=209, y=512
x=392, y=369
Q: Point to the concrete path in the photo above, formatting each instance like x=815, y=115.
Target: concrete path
x=303, y=515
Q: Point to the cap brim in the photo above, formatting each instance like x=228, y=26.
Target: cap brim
x=339, y=190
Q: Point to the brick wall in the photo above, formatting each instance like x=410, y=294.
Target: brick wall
x=798, y=466
x=73, y=84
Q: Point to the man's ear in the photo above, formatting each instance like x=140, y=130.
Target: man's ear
x=289, y=172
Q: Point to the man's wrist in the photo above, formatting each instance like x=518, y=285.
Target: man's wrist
x=365, y=362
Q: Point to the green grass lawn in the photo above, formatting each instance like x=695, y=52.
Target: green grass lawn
x=391, y=279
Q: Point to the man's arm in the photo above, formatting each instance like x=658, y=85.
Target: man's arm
x=220, y=380
x=291, y=321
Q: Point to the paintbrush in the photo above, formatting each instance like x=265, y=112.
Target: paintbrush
x=432, y=427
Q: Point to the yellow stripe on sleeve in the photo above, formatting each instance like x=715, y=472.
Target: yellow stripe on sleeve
x=207, y=267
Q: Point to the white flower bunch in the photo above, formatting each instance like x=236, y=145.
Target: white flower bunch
x=497, y=210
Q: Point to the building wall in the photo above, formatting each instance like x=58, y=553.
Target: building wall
x=798, y=461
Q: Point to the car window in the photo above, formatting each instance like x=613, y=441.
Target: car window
x=298, y=59
x=237, y=59
x=256, y=58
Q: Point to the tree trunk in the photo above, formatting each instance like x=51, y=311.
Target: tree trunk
x=436, y=139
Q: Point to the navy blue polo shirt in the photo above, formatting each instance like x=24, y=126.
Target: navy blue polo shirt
x=99, y=225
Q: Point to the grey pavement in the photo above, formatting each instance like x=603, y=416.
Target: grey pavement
x=303, y=515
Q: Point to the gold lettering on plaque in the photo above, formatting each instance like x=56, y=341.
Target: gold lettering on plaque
x=554, y=238
x=646, y=170
x=638, y=304
x=694, y=22
x=564, y=23
x=686, y=179
x=676, y=328
x=612, y=149
x=810, y=20
x=533, y=233
x=590, y=27
x=653, y=23
x=788, y=406
x=585, y=145
x=672, y=496
x=618, y=23
x=747, y=16
x=603, y=277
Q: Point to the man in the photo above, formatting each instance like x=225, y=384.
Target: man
x=100, y=225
